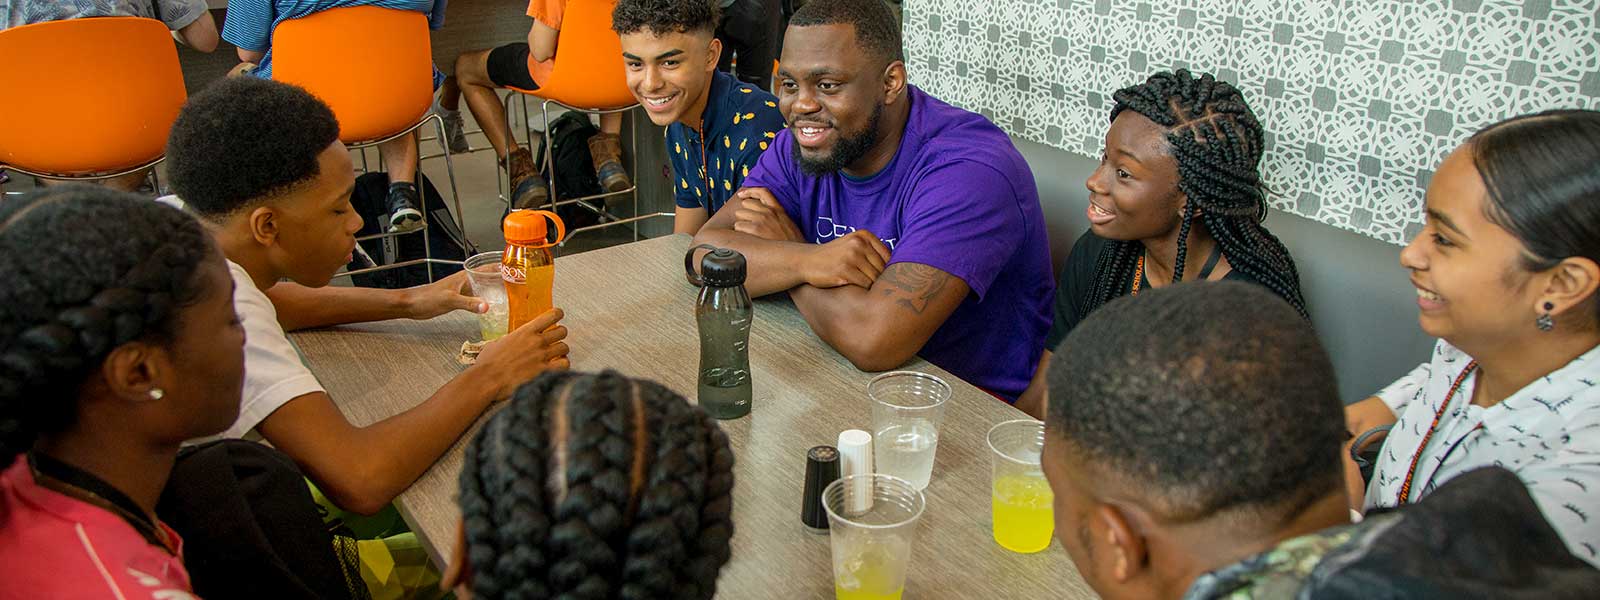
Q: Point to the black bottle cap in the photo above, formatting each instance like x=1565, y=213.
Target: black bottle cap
x=723, y=267
x=822, y=468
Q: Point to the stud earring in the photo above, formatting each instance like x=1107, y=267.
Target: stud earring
x=1545, y=322
x=157, y=394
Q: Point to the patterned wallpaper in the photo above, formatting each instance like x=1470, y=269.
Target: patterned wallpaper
x=1361, y=98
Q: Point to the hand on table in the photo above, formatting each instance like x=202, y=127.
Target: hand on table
x=857, y=258
x=760, y=215
x=445, y=295
x=523, y=354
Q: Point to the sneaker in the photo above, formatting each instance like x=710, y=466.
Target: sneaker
x=528, y=189
x=403, y=214
x=455, y=131
x=606, y=149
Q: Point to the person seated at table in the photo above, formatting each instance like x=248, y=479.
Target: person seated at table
x=1249, y=502
x=716, y=126
x=523, y=65
x=594, y=486
x=249, y=26
x=899, y=224
x=118, y=342
x=189, y=20
x=1177, y=197
x=1506, y=269
x=262, y=163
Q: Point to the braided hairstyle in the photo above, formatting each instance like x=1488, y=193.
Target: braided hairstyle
x=597, y=486
x=87, y=269
x=1217, y=143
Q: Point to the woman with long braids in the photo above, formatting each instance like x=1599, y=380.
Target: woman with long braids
x=1507, y=268
x=1177, y=197
x=118, y=342
x=594, y=486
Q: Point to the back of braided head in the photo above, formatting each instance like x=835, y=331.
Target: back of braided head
x=597, y=486
x=1217, y=142
x=87, y=269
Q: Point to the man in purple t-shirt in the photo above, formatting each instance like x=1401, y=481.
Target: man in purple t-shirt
x=900, y=225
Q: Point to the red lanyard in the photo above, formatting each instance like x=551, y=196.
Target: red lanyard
x=1405, y=488
x=1138, y=275
x=705, y=171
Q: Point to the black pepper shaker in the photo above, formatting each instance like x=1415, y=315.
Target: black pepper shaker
x=822, y=468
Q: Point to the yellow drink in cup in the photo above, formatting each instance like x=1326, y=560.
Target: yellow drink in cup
x=873, y=570
x=1023, y=521
x=1020, y=503
x=871, y=539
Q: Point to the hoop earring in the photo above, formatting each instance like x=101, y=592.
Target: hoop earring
x=1545, y=322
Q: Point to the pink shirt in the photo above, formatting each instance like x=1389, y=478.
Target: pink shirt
x=56, y=546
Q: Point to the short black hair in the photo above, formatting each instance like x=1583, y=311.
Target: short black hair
x=243, y=140
x=665, y=16
x=88, y=269
x=1207, y=396
x=877, y=29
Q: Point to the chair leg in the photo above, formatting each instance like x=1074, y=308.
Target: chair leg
x=549, y=153
x=455, y=194
x=505, y=161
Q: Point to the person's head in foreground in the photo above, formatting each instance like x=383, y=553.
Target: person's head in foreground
x=1189, y=428
x=842, y=86
x=262, y=161
x=595, y=486
x=117, y=327
x=670, y=50
x=1510, y=251
x=1181, y=165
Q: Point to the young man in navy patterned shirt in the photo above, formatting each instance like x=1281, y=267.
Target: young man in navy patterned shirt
x=716, y=126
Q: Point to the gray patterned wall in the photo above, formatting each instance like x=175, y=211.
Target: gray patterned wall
x=1361, y=98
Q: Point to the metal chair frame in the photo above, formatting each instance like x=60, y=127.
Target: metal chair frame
x=155, y=179
x=607, y=219
x=427, y=248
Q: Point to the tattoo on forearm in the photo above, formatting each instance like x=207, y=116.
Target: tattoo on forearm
x=913, y=285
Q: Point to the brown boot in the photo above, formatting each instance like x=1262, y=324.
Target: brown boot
x=527, y=187
x=606, y=149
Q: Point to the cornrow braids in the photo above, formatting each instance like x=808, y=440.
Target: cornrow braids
x=87, y=269
x=1217, y=142
x=594, y=486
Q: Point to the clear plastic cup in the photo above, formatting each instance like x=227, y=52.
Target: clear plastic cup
x=871, y=548
x=483, y=270
x=906, y=409
x=1020, y=504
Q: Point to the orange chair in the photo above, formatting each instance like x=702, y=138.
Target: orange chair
x=588, y=77
x=97, y=97
x=374, y=67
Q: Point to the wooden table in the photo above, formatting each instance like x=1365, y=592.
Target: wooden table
x=628, y=308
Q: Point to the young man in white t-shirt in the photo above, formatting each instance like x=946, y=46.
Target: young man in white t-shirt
x=261, y=162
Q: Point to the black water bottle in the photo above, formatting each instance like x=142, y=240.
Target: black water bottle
x=723, y=313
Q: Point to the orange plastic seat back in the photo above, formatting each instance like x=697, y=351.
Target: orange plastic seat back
x=372, y=66
x=93, y=95
x=588, y=71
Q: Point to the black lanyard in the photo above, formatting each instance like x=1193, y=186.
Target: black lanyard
x=83, y=485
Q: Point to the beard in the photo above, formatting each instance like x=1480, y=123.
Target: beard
x=849, y=149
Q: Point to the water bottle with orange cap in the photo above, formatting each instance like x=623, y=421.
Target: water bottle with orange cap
x=528, y=267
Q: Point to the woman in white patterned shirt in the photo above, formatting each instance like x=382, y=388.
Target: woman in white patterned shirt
x=1506, y=270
